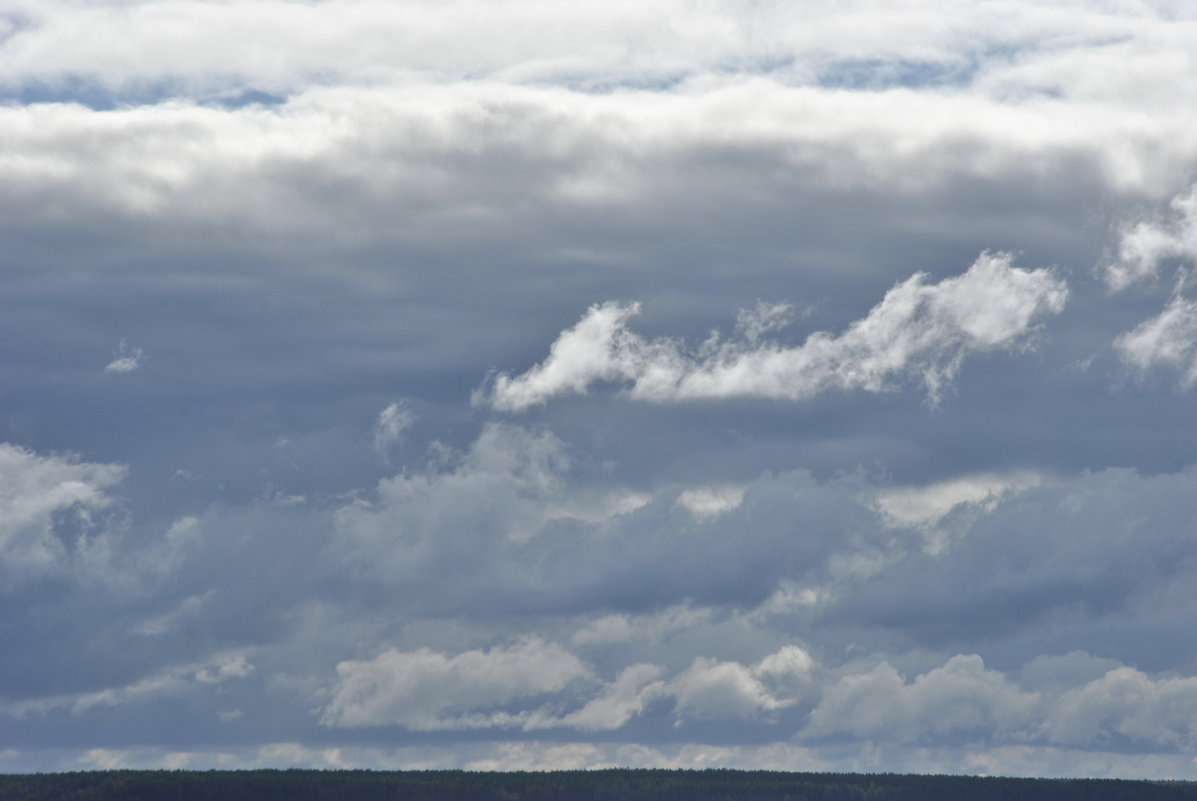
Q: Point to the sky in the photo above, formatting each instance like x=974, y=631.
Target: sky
x=506, y=384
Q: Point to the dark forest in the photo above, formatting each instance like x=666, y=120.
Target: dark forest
x=602, y=785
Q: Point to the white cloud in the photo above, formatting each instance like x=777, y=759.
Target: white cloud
x=787, y=665
x=1143, y=246
x=210, y=48
x=655, y=627
x=496, y=498
x=621, y=132
x=167, y=556
x=918, y=330
x=1127, y=702
x=927, y=505
x=172, y=681
x=964, y=499
x=233, y=667
x=1167, y=340
x=520, y=686
x=598, y=348
x=43, y=495
x=710, y=689
x=127, y=359
x=761, y=319
x=707, y=503
x=424, y=690
x=961, y=699
x=619, y=702
x=270, y=168
x=393, y=422
x=713, y=689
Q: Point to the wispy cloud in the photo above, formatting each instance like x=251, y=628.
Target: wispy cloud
x=1144, y=246
x=1168, y=339
x=127, y=359
x=392, y=423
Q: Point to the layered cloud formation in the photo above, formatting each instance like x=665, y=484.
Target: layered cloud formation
x=510, y=385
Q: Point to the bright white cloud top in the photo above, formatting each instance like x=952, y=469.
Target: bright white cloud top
x=419, y=449
x=920, y=329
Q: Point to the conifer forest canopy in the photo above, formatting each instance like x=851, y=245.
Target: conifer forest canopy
x=587, y=785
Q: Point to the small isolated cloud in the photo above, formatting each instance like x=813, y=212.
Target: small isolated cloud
x=707, y=503
x=919, y=330
x=1143, y=246
x=233, y=667
x=1167, y=340
x=393, y=422
x=127, y=359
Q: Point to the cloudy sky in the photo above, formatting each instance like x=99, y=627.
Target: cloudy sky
x=515, y=384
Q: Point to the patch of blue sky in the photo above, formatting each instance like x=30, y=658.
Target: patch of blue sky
x=667, y=79
x=875, y=74
x=101, y=98
x=610, y=84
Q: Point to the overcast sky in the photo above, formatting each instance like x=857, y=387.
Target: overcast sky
x=516, y=384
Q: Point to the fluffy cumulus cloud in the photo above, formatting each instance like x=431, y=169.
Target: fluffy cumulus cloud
x=1126, y=703
x=360, y=404
x=919, y=329
x=713, y=689
x=960, y=699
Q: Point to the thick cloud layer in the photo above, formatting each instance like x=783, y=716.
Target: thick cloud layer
x=515, y=385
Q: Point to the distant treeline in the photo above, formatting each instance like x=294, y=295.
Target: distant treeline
x=601, y=785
